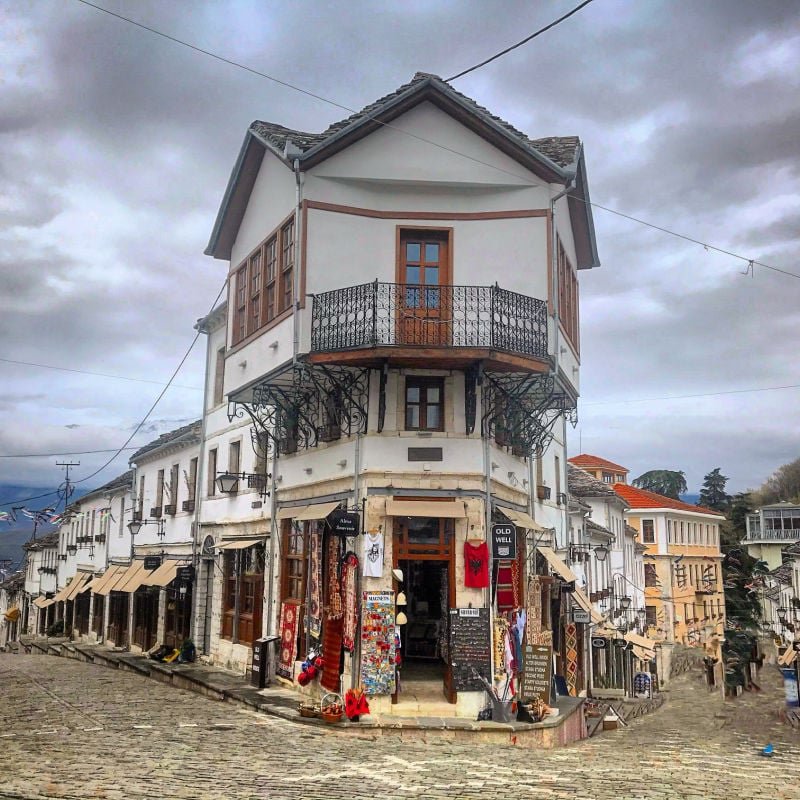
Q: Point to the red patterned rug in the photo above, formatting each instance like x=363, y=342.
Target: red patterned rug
x=288, y=650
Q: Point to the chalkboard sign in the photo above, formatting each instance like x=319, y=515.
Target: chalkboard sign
x=537, y=660
x=345, y=523
x=470, y=648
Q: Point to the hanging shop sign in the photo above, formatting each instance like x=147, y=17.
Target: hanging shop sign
x=185, y=573
x=470, y=650
x=537, y=675
x=345, y=523
x=377, y=643
x=581, y=615
x=152, y=562
x=620, y=643
x=504, y=541
x=599, y=643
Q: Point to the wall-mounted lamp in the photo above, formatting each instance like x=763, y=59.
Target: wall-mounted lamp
x=136, y=525
x=601, y=552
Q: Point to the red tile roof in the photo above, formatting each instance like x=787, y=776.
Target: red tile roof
x=641, y=498
x=586, y=460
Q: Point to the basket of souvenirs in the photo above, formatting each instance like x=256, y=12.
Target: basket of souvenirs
x=309, y=710
x=332, y=707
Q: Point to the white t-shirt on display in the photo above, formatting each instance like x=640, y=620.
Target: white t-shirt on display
x=373, y=555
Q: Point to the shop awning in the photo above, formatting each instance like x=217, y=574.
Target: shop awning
x=521, y=519
x=12, y=615
x=641, y=641
x=88, y=585
x=125, y=577
x=239, y=544
x=59, y=595
x=583, y=601
x=642, y=654
x=77, y=585
x=558, y=565
x=164, y=575
x=48, y=603
x=139, y=578
x=39, y=602
x=317, y=511
x=290, y=513
x=788, y=658
x=425, y=508
x=107, y=580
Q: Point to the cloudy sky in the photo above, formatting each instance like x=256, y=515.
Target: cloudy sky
x=116, y=145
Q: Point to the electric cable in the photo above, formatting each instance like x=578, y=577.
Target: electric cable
x=520, y=43
x=96, y=374
x=160, y=395
x=68, y=453
x=688, y=396
x=707, y=246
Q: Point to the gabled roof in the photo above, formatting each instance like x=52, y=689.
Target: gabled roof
x=587, y=460
x=593, y=529
x=50, y=540
x=14, y=582
x=782, y=574
x=188, y=434
x=556, y=159
x=582, y=484
x=124, y=481
x=641, y=498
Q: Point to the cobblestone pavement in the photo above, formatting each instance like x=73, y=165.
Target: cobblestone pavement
x=75, y=730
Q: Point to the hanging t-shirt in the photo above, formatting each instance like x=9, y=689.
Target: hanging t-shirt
x=476, y=565
x=373, y=556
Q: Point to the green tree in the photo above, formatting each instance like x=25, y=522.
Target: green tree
x=713, y=495
x=663, y=481
x=783, y=484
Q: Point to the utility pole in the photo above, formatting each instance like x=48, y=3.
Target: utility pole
x=67, y=485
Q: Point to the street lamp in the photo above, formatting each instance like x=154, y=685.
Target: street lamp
x=782, y=611
x=600, y=552
x=642, y=614
x=625, y=602
x=228, y=482
x=134, y=527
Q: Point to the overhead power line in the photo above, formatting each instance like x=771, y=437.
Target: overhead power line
x=95, y=374
x=160, y=395
x=67, y=453
x=749, y=261
x=522, y=42
x=687, y=396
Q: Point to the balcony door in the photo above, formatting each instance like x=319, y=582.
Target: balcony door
x=425, y=298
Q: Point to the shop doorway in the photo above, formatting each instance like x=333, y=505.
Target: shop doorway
x=423, y=550
x=178, y=613
x=145, y=617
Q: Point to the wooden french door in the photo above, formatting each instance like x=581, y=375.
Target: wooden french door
x=425, y=296
x=429, y=539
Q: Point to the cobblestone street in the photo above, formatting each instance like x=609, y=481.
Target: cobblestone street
x=76, y=730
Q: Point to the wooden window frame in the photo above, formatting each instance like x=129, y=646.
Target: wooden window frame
x=652, y=532
x=289, y=556
x=423, y=383
x=650, y=570
x=213, y=459
x=219, y=378
x=568, y=296
x=262, y=284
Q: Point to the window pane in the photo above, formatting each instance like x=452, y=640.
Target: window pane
x=412, y=251
x=432, y=276
x=433, y=394
x=431, y=252
x=412, y=416
x=432, y=417
x=412, y=394
x=413, y=298
x=432, y=298
x=412, y=274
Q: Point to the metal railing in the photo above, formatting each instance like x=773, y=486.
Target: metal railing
x=792, y=534
x=389, y=314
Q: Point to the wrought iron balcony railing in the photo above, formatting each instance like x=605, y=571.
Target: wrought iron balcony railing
x=389, y=314
x=786, y=534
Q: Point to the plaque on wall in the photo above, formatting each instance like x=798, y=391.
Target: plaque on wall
x=537, y=676
x=504, y=541
x=470, y=648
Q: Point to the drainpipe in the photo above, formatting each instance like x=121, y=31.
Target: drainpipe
x=274, y=532
x=299, y=178
x=487, y=474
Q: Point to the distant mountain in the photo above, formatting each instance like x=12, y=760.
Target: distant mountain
x=691, y=498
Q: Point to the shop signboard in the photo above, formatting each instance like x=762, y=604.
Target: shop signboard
x=470, y=650
x=581, y=615
x=537, y=676
x=152, y=562
x=504, y=541
x=185, y=573
x=599, y=643
x=345, y=523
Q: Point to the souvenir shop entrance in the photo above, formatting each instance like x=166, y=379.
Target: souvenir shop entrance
x=423, y=550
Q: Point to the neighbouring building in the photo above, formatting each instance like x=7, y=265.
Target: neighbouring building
x=600, y=468
x=402, y=334
x=12, y=602
x=235, y=517
x=684, y=597
x=613, y=567
x=770, y=529
x=41, y=581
